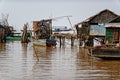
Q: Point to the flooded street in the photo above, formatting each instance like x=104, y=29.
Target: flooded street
x=18, y=62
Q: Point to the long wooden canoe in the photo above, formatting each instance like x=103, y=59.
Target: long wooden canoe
x=105, y=53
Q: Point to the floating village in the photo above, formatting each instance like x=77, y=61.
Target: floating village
x=99, y=35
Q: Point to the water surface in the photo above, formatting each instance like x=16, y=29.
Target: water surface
x=18, y=62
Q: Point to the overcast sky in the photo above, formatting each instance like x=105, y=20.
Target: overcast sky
x=22, y=11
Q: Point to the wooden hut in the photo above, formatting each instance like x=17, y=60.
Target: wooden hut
x=42, y=29
x=94, y=26
x=111, y=50
x=2, y=34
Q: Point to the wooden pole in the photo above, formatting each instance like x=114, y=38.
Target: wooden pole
x=72, y=41
x=70, y=24
x=79, y=42
x=60, y=41
x=119, y=37
x=63, y=38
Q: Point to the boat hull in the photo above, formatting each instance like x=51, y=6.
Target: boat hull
x=106, y=53
x=51, y=42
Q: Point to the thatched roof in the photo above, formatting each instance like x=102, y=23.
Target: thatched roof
x=104, y=16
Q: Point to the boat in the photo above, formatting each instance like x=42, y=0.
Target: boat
x=39, y=43
x=105, y=52
x=45, y=42
x=15, y=38
x=51, y=42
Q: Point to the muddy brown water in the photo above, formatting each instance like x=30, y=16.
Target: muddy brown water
x=18, y=62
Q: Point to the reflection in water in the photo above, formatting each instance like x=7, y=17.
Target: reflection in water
x=18, y=62
x=2, y=46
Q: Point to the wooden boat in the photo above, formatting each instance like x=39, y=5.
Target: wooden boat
x=51, y=42
x=40, y=42
x=15, y=38
x=105, y=53
x=44, y=42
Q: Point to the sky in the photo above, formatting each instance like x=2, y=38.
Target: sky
x=23, y=11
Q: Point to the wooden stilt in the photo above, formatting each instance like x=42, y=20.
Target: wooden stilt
x=63, y=38
x=72, y=41
x=60, y=41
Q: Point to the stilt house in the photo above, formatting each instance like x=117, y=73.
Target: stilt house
x=94, y=26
